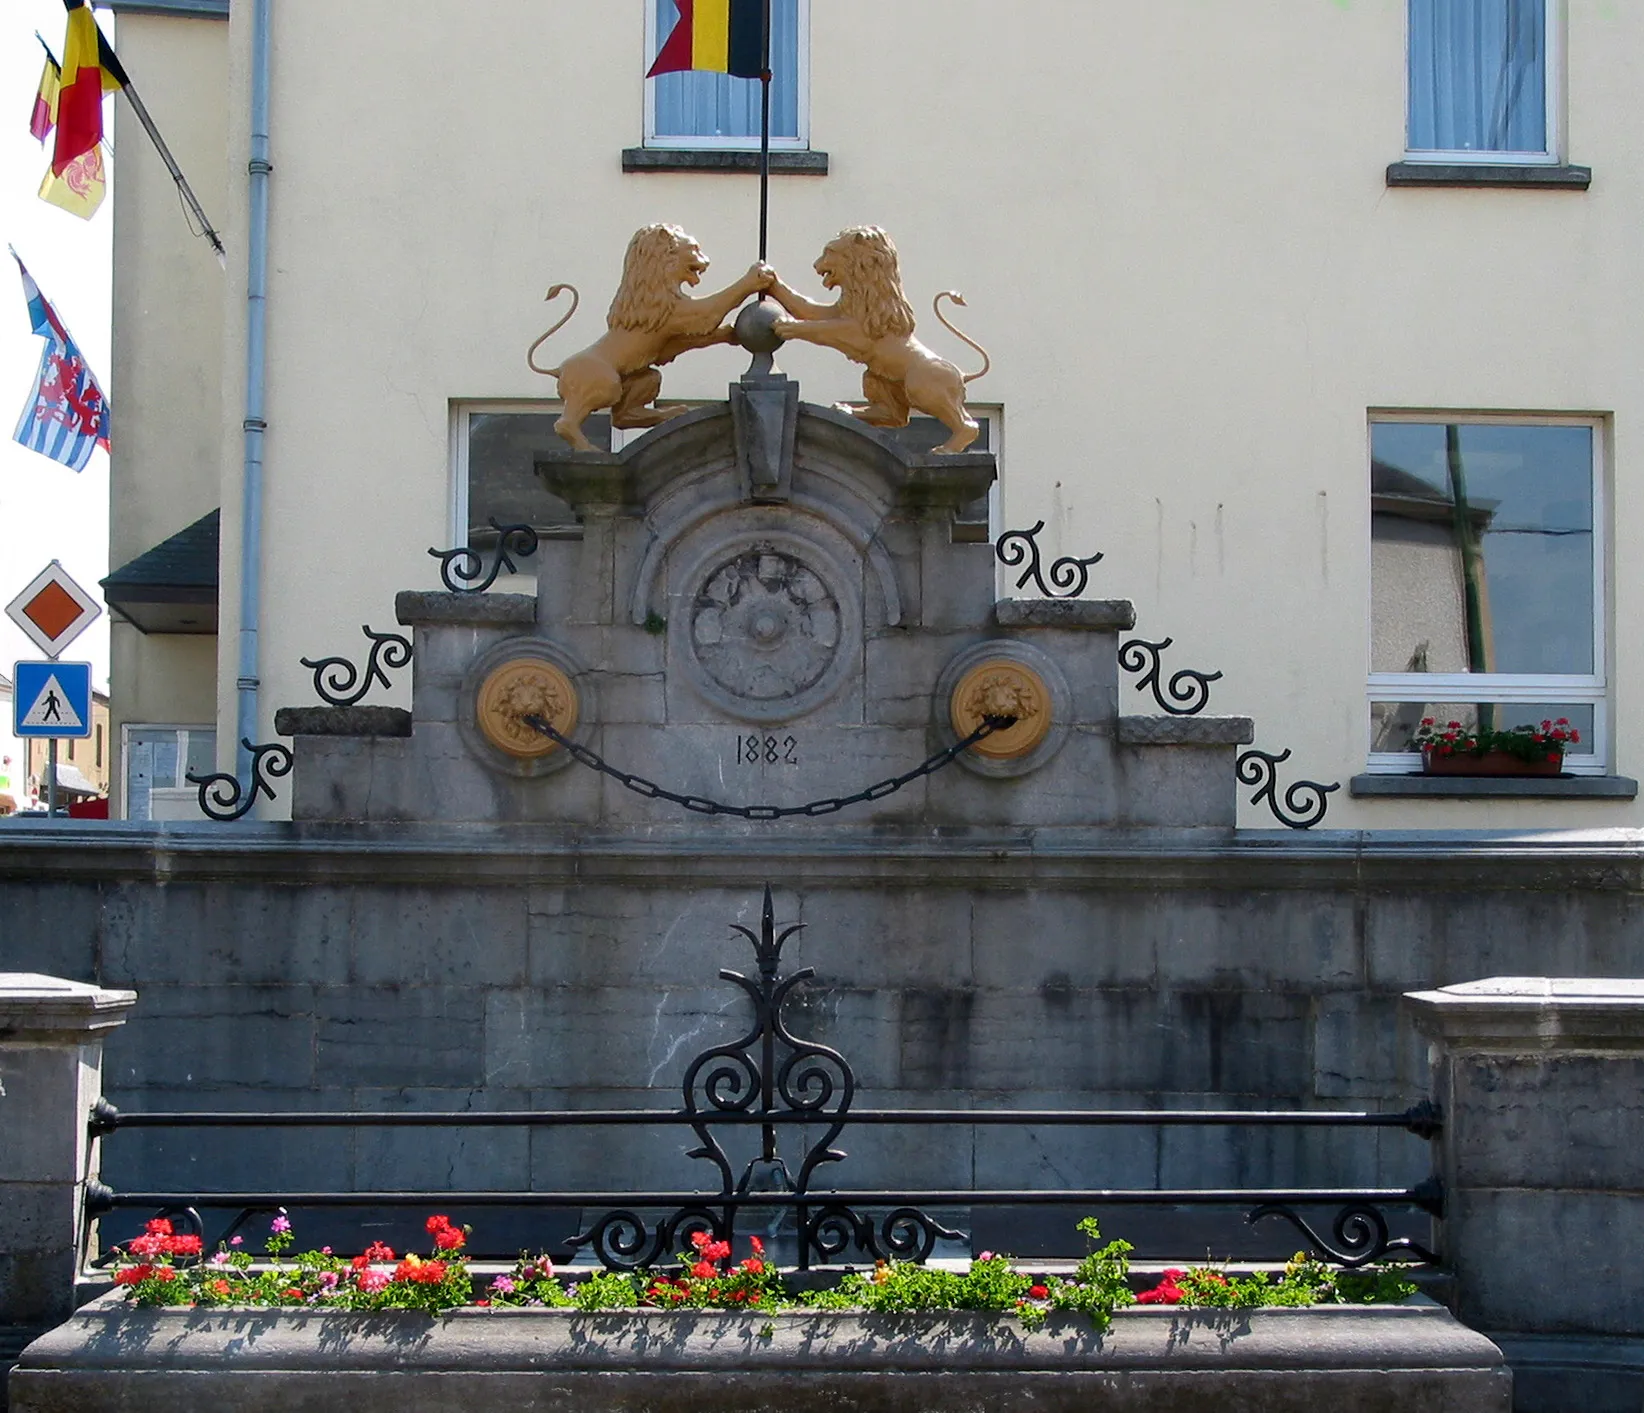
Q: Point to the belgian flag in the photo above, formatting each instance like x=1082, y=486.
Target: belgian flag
x=89, y=71
x=721, y=36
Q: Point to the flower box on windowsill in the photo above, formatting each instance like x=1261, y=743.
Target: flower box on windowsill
x=1493, y=763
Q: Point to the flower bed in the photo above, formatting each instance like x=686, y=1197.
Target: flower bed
x=164, y=1268
x=1453, y=749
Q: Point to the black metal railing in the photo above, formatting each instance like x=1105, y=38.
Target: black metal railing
x=777, y=1083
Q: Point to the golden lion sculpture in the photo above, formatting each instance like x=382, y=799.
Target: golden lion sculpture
x=872, y=323
x=651, y=322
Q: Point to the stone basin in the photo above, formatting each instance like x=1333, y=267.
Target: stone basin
x=1413, y=1357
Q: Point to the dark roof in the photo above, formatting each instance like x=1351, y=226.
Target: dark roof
x=171, y=588
x=205, y=9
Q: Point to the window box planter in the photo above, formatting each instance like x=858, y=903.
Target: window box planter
x=1494, y=763
x=1363, y=1358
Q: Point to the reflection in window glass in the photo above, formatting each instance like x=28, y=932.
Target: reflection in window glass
x=1482, y=553
x=1478, y=76
x=1394, y=724
x=503, y=450
x=160, y=757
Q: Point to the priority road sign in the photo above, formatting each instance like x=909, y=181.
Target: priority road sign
x=53, y=610
x=51, y=699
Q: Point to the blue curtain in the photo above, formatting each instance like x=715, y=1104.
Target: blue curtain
x=717, y=105
x=1478, y=75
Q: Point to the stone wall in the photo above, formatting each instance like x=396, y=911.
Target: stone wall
x=289, y=966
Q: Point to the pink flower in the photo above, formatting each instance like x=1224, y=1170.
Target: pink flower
x=503, y=1286
x=280, y=1225
x=373, y=1281
x=220, y=1259
x=985, y=1256
x=236, y=1240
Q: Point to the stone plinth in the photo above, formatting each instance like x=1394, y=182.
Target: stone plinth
x=51, y=1066
x=1396, y=1359
x=1542, y=1085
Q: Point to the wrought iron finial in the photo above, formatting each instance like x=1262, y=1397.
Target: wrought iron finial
x=335, y=678
x=225, y=800
x=1188, y=692
x=1068, y=576
x=1260, y=768
x=463, y=570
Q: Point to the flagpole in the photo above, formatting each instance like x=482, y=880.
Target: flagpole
x=183, y=188
x=765, y=134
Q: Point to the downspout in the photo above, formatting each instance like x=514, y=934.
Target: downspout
x=255, y=427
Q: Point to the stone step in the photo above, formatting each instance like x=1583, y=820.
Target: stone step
x=1186, y=730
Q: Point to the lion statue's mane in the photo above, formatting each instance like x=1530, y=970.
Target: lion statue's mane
x=650, y=285
x=870, y=288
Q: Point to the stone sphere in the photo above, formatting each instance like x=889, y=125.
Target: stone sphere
x=755, y=327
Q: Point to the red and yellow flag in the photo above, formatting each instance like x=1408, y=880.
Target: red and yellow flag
x=44, y=117
x=89, y=71
x=721, y=36
x=80, y=188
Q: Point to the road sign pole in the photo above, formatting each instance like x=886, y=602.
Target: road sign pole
x=51, y=778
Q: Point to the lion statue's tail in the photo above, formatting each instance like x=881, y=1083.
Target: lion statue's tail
x=959, y=299
x=576, y=299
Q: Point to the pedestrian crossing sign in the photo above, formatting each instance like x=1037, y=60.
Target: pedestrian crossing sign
x=51, y=699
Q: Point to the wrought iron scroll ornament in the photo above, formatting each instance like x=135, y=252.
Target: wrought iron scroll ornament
x=770, y=1075
x=463, y=570
x=1359, y=1234
x=1068, y=576
x=337, y=682
x=1305, y=801
x=697, y=804
x=224, y=799
x=1188, y=691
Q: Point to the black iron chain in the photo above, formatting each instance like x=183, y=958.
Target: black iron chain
x=650, y=790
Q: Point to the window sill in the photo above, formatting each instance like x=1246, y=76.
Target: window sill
x=1560, y=178
x=719, y=159
x=1482, y=787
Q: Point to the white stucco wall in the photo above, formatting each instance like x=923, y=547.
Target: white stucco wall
x=1172, y=225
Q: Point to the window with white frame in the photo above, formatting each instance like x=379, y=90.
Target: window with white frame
x=1482, y=81
x=698, y=109
x=1486, y=579
x=160, y=757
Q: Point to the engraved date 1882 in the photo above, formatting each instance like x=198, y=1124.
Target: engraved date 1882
x=767, y=750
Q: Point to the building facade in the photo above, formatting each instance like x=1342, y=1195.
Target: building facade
x=1315, y=320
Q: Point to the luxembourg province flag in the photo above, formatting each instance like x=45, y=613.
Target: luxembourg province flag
x=67, y=414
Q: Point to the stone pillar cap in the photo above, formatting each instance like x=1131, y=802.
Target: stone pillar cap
x=34, y=1005
x=1534, y=1013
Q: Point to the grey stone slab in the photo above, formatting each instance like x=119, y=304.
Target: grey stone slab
x=1573, y=1122
x=1191, y=786
x=1091, y=615
x=1464, y=787
x=342, y=721
x=1186, y=730
x=1074, y=787
x=40, y=1085
x=565, y=1037
x=40, y=1216
x=1045, y=1156
x=914, y=936
x=901, y=668
x=1553, y=1373
x=955, y=580
x=660, y=936
x=1355, y=1042
x=422, y=608
x=387, y=1034
x=213, y=1038
x=1239, y=1042
x=437, y=935
x=1066, y=940
x=1257, y=941
x=52, y=928
x=208, y=933
x=1268, y=1156
x=199, y=1160
x=441, y=1159
x=1511, y=1251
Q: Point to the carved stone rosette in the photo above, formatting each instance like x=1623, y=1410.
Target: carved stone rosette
x=1000, y=687
x=1004, y=677
x=519, y=688
x=522, y=677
